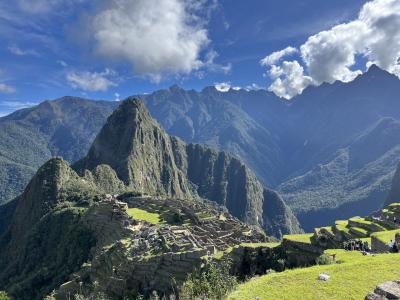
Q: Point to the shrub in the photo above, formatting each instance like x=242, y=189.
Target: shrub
x=4, y=296
x=212, y=281
x=324, y=259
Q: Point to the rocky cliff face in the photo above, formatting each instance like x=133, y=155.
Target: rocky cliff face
x=146, y=159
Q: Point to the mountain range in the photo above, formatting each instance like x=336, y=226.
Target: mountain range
x=330, y=153
x=70, y=217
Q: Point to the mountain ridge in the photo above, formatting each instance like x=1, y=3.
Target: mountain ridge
x=146, y=159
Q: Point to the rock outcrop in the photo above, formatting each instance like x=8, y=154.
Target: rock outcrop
x=146, y=159
x=385, y=291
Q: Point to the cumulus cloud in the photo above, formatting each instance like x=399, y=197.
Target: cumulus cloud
x=332, y=54
x=7, y=89
x=274, y=57
x=157, y=37
x=222, y=86
x=289, y=79
x=91, y=81
x=14, y=49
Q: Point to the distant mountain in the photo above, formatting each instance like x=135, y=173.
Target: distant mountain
x=320, y=150
x=30, y=136
x=141, y=156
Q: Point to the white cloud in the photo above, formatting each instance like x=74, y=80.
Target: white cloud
x=37, y=6
x=331, y=55
x=8, y=89
x=15, y=105
x=117, y=97
x=274, y=57
x=62, y=63
x=253, y=87
x=157, y=37
x=45, y=6
x=91, y=81
x=14, y=49
x=289, y=79
x=223, y=86
x=7, y=107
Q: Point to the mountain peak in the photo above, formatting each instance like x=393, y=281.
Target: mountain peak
x=133, y=103
x=135, y=146
x=375, y=70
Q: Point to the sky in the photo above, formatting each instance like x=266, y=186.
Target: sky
x=111, y=49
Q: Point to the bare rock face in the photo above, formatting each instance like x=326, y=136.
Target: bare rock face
x=385, y=291
x=146, y=159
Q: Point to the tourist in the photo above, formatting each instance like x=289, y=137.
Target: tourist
x=391, y=244
x=366, y=246
x=395, y=249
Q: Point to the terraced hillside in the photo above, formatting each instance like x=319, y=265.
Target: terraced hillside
x=343, y=266
x=383, y=223
x=69, y=236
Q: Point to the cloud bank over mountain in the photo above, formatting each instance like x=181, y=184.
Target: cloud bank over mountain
x=335, y=54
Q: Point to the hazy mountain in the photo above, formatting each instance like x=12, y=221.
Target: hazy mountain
x=329, y=151
x=30, y=136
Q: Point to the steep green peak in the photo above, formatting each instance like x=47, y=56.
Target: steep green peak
x=41, y=194
x=140, y=152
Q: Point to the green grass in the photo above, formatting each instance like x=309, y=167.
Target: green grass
x=361, y=221
x=301, y=238
x=386, y=236
x=353, y=278
x=342, y=222
x=140, y=214
x=359, y=230
x=256, y=245
x=327, y=228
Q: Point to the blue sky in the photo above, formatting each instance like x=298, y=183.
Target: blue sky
x=112, y=49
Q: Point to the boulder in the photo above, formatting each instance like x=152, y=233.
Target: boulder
x=386, y=290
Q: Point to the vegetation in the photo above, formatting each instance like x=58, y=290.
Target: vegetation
x=256, y=245
x=324, y=259
x=4, y=296
x=385, y=236
x=301, y=238
x=350, y=278
x=31, y=136
x=143, y=215
x=212, y=282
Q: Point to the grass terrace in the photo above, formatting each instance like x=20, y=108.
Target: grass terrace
x=385, y=236
x=300, y=238
x=353, y=277
x=140, y=214
x=256, y=245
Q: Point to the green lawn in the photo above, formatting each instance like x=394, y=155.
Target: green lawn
x=359, y=230
x=386, y=236
x=360, y=220
x=256, y=245
x=353, y=278
x=140, y=214
x=301, y=238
